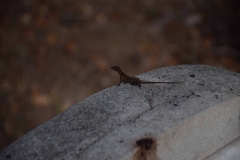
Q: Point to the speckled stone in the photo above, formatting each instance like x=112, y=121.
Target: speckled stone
x=183, y=121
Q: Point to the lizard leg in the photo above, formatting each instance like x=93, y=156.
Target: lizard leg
x=121, y=79
x=135, y=78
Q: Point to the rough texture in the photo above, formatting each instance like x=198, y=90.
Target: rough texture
x=190, y=120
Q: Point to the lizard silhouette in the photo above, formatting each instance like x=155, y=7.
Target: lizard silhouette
x=133, y=80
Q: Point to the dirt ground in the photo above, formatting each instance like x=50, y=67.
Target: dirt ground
x=56, y=53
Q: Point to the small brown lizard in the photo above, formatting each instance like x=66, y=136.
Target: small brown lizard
x=133, y=80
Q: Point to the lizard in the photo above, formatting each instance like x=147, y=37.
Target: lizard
x=133, y=80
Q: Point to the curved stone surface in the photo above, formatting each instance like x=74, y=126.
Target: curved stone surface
x=184, y=121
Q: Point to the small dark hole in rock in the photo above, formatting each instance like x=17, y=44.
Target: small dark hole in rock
x=145, y=143
x=192, y=75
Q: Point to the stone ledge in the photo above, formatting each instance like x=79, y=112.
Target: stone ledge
x=183, y=121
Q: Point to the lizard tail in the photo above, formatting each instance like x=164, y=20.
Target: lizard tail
x=161, y=82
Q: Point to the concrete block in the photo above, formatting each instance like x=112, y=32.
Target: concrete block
x=185, y=121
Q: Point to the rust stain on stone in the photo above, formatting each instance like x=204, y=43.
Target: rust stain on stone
x=147, y=149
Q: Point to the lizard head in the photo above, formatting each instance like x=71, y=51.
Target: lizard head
x=116, y=68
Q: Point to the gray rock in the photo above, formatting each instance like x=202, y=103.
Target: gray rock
x=184, y=121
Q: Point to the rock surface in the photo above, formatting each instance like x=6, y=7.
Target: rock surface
x=188, y=120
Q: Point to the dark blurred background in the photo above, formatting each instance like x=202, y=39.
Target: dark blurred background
x=54, y=53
